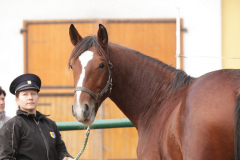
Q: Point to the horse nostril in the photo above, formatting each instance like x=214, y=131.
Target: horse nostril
x=86, y=107
x=86, y=111
x=73, y=113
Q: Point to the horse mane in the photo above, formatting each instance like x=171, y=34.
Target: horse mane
x=180, y=79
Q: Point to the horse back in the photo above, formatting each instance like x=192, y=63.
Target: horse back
x=207, y=116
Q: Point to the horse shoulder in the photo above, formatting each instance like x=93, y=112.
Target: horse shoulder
x=207, y=117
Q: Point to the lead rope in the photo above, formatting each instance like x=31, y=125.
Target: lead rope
x=84, y=144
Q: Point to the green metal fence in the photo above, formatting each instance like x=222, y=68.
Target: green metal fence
x=97, y=124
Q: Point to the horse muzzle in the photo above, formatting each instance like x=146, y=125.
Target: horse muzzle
x=84, y=114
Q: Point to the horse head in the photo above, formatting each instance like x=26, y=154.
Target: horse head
x=91, y=68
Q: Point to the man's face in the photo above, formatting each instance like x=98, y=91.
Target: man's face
x=2, y=103
x=27, y=100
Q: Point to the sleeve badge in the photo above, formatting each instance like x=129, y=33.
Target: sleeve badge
x=52, y=134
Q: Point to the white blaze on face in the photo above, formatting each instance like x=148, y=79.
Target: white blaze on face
x=84, y=59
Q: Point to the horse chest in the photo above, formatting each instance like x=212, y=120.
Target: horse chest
x=162, y=140
x=147, y=151
x=150, y=151
x=159, y=147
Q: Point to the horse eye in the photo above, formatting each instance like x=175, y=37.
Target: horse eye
x=71, y=66
x=102, y=65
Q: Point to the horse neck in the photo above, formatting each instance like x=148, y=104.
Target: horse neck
x=138, y=81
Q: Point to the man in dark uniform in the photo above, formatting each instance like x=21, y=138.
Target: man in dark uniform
x=30, y=135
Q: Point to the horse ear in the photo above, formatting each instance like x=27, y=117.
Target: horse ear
x=102, y=36
x=74, y=35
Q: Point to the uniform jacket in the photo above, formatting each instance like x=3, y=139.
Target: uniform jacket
x=30, y=137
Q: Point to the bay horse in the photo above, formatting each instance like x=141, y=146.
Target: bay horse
x=177, y=116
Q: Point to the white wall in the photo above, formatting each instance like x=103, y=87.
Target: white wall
x=202, y=19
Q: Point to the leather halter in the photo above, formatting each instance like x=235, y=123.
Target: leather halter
x=98, y=96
